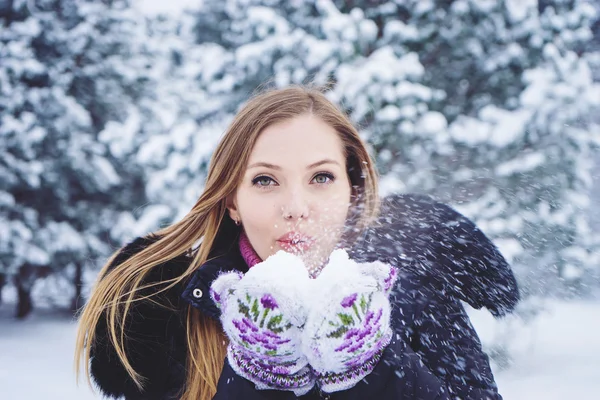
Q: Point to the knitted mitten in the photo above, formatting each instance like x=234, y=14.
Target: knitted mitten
x=261, y=312
x=348, y=325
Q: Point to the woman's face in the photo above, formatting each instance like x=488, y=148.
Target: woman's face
x=295, y=193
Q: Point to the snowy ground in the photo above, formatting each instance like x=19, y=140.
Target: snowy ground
x=557, y=357
x=36, y=359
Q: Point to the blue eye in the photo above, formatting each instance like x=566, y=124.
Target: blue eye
x=262, y=181
x=324, y=178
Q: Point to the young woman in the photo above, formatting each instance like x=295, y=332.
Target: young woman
x=252, y=294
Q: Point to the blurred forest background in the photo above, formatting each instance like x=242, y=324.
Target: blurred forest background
x=109, y=115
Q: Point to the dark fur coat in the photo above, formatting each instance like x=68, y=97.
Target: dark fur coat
x=443, y=258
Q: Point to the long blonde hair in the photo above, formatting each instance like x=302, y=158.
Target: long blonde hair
x=118, y=287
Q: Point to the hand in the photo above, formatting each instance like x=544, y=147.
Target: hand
x=261, y=312
x=348, y=325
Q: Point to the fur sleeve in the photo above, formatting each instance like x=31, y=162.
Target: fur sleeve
x=155, y=338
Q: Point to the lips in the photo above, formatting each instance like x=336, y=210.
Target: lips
x=295, y=242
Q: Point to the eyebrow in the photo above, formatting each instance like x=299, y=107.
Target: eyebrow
x=278, y=168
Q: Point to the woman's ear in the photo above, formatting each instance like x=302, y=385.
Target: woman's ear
x=232, y=208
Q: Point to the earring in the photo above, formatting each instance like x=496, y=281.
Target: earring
x=237, y=222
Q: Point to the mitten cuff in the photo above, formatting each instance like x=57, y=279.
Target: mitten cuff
x=330, y=382
x=271, y=376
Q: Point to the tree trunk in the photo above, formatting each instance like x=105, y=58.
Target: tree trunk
x=2, y=283
x=24, y=305
x=77, y=301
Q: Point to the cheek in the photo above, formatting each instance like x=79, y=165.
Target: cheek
x=333, y=209
x=259, y=222
x=257, y=215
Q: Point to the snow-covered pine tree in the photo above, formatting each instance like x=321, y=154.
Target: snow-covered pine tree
x=534, y=151
x=485, y=104
x=173, y=130
x=67, y=68
x=593, y=57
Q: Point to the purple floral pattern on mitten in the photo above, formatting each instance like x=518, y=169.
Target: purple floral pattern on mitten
x=261, y=327
x=261, y=315
x=358, y=330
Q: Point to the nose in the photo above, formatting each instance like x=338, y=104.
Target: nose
x=296, y=205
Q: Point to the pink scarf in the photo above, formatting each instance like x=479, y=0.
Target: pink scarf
x=248, y=252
